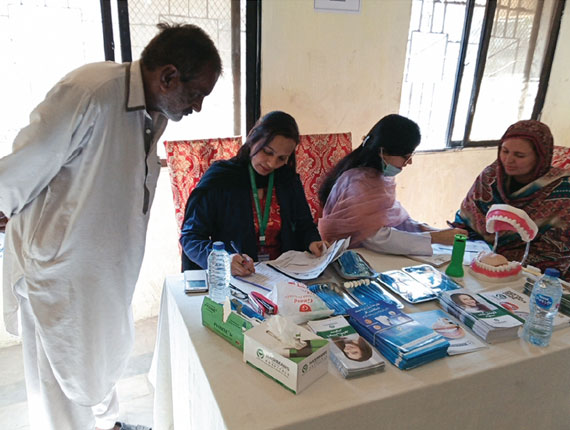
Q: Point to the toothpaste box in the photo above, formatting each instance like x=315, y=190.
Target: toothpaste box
x=232, y=329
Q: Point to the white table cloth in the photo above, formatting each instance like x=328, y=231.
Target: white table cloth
x=202, y=383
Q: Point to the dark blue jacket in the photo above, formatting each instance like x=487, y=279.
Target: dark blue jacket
x=220, y=208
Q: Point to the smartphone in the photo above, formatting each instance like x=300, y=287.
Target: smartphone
x=195, y=281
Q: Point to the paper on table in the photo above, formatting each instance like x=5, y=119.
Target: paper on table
x=304, y=265
x=264, y=278
x=442, y=253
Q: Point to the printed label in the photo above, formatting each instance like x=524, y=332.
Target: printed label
x=544, y=302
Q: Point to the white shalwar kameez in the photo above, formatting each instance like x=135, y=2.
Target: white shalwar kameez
x=77, y=189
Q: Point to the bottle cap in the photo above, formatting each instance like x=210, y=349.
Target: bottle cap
x=551, y=271
x=219, y=245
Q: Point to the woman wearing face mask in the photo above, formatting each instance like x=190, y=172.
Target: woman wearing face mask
x=523, y=177
x=254, y=200
x=359, y=195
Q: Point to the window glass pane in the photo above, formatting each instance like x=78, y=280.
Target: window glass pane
x=71, y=35
x=431, y=65
x=214, y=17
x=512, y=70
x=468, y=73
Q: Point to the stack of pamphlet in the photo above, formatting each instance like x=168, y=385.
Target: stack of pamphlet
x=565, y=303
x=460, y=339
x=517, y=304
x=400, y=339
x=490, y=322
x=350, y=353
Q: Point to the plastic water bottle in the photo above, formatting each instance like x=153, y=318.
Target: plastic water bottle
x=544, y=303
x=219, y=273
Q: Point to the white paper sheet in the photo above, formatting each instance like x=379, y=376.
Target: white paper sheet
x=264, y=279
x=304, y=265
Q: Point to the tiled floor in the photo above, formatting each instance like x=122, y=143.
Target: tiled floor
x=135, y=392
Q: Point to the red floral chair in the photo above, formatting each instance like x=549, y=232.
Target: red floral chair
x=188, y=160
x=561, y=157
x=316, y=155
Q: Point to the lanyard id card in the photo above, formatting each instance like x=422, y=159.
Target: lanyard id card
x=263, y=254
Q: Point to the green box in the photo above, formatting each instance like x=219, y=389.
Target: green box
x=232, y=330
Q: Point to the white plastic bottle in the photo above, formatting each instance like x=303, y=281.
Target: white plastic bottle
x=219, y=272
x=544, y=303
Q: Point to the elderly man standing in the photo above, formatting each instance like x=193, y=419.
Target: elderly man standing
x=77, y=190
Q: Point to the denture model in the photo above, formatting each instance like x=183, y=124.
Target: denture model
x=493, y=267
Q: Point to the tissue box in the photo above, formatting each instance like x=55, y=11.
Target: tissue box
x=232, y=330
x=294, y=369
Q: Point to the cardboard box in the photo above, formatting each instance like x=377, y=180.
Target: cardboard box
x=294, y=369
x=232, y=329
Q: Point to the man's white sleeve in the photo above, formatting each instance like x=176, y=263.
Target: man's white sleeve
x=58, y=128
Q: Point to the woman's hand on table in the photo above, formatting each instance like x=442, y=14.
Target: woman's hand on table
x=446, y=236
x=317, y=248
x=241, y=265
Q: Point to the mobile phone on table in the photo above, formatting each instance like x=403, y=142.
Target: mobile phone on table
x=195, y=281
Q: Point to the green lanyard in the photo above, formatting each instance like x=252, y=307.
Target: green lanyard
x=262, y=222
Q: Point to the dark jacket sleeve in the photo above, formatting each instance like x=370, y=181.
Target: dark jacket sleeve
x=218, y=211
x=196, y=230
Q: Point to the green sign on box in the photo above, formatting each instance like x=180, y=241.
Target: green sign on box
x=232, y=330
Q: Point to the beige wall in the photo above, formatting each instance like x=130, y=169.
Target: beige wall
x=333, y=72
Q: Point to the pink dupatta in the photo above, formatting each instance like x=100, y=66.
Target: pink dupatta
x=361, y=202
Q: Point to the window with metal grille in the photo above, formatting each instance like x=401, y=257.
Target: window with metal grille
x=473, y=67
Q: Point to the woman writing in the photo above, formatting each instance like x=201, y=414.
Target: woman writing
x=254, y=200
x=359, y=195
x=522, y=176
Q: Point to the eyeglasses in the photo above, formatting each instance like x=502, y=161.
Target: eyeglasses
x=406, y=158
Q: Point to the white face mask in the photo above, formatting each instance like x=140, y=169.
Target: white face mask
x=388, y=169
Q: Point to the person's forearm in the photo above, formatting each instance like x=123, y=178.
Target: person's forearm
x=196, y=250
x=393, y=241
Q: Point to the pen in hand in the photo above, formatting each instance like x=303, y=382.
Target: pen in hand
x=246, y=262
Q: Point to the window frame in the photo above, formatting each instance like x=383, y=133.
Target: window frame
x=485, y=37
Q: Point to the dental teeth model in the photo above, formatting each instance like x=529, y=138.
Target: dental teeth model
x=506, y=217
x=493, y=267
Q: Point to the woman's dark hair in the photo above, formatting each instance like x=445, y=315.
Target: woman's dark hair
x=395, y=134
x=276, y=123
x=187, y=47
x=365, y=348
